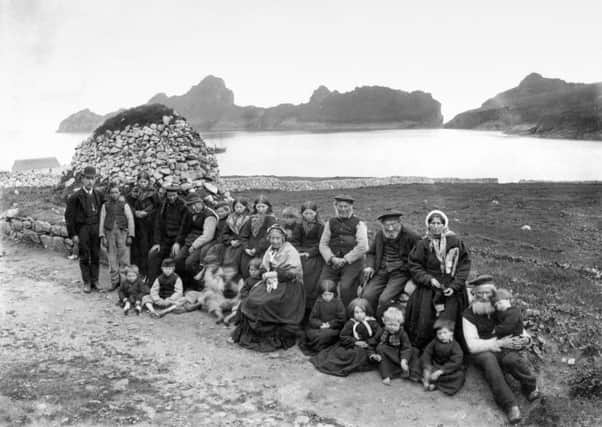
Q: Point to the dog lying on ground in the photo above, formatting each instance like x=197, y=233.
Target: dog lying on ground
x=221, y=292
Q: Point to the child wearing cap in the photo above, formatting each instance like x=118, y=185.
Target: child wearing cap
x=132, y=290
x=508, y=319
x=442, y=361
x=166, y=290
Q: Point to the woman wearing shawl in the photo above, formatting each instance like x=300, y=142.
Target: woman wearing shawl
x=272, y=312
x=306, y=239
x=234, y=224
x=356, y=349
x=439, y=265
x=253, y=234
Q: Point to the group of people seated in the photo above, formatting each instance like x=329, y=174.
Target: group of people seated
x=397, y=304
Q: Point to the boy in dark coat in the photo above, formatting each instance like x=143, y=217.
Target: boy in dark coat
x=394, y=352
x=442, y=361
x=82, y=217
x=325, y=321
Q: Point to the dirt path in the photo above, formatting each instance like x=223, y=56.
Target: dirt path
x=72, y=358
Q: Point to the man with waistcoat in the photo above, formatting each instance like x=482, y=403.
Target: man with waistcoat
x=343, y=244
x=117, y=231
x=82, y=217
x=496, y=357
x=196, y=233
x=168, y=221
x=386, y=272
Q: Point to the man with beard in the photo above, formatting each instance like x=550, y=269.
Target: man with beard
x=386, y=269
x=82, y=217
x=497, y=356
x=343, y=244
x=144, y=201
x=198, y=230
x=168, y=222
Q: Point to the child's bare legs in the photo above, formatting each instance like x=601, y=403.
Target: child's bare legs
x=126, y=307
x=151, y=309
x=169, y=309
x=426, y=377
x=138, y=307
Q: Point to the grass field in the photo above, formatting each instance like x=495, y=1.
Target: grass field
x=554, y=269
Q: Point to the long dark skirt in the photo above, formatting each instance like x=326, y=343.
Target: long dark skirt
x=420, y=315
x=143, y=241
x=341, y=361
x=312, y=268
x=316, y=340
x=270, y=320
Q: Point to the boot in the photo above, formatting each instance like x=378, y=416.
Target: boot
x=514, y=416
x=534, y=395
x=87, y=287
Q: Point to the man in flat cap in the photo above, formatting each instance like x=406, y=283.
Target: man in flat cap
x=82, y=217
x=168, y=221
x=343, y=244
x=386, y=268
x=197, y=231
x=496, y=357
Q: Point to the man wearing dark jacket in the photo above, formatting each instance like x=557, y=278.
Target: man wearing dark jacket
x=82, y=218
x=386, y=270
x=168, y=222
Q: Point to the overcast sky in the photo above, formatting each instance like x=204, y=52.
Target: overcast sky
x=58, y=57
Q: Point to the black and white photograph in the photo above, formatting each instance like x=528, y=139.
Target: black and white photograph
x=329, y=213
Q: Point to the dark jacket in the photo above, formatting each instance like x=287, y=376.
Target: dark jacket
x=258, y=241
x=407, y=239
x=447, y=357
x=509, y=322
x=424, y=265
x=332, y=312
x=399, y=340
x=372, y=336
x=77, y=213
x=168, y=221
x=307, y=240
x=147, y=201
x=132, y=291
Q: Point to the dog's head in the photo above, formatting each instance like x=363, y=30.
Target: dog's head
x=213, y=278
x=233, y=283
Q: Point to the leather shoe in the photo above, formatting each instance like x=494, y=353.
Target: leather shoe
x=514, y=415
x=87, y=288
x=534, y=395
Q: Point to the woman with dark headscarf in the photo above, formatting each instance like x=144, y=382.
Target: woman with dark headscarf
x=306, y=239
x=439, y=265
x=271, y=314
x=253, y=235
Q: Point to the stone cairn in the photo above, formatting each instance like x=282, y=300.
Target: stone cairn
x=171, y=151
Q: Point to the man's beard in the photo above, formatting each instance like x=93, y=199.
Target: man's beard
x=482, y=307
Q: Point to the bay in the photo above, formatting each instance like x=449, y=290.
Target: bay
x=431, y=153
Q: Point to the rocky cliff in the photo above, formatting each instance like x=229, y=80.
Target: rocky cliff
x=83, y=121
x=209, y=105
x=540, y=106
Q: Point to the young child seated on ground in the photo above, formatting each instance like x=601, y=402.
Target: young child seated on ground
x=509, y=320
x=248, y=284
x=326, y=319
x=131, y=290
x=355, y=350
x=394, y=352
x=165, y=292
x=442, y=361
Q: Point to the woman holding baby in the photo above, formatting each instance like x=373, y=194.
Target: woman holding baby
x=271, y=314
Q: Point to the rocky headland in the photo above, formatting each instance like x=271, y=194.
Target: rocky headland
x=540, y=106
x=210, y=105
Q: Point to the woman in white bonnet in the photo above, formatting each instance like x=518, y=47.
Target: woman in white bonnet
x=439, y=264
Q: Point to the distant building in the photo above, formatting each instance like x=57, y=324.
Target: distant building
x=42, y=165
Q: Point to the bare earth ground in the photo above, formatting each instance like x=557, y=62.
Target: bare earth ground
x=71, y=358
